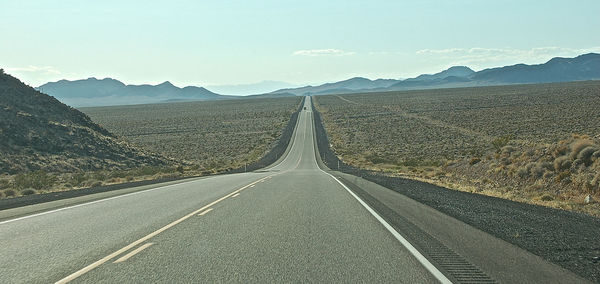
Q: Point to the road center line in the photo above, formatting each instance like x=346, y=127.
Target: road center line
x=130, y=246
x=206, y=211
x=132, y=253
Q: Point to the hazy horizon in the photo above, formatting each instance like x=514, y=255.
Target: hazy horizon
x=238, y=43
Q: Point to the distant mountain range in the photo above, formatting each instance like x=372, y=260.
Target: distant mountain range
x=250, y=89
x=583, y=67
x=94, y=92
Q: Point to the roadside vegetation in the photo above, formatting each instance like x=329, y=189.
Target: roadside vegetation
x=209, y=136
x=538, y=144
x=197, y=138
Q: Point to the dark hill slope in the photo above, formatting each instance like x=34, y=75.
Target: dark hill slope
x=558, y=69
x=37, y=132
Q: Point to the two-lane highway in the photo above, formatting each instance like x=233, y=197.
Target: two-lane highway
x=291, y=222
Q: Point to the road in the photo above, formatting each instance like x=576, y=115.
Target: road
x=292, y=222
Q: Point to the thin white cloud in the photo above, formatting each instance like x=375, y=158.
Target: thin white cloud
x=323, y=52
x=46, y=70
x=439, y=51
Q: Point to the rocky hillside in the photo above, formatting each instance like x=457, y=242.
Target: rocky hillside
x=40, y=133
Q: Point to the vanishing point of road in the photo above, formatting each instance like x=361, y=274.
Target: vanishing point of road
x=290, y=222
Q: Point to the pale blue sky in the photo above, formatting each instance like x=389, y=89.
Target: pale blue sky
x=301, y=42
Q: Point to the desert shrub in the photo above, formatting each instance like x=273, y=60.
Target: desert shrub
x=28, y=191
x=545, y=165
x=499, y=142
x=474, y=161
x=561, y=150
x=538, y=170
x=146, y=171
x=117, y=174
x=505, y=161
x=410, y=163
x=3, y=183
x=578, y=146
x=547, y=197
x=563, y=176
x=10, y=192
x=376, y=159
x=595, y=182
x=92, y=183
x=562, y=163
x=77, y=179
x=586, y=154
x=523, y=172
x=36, y=180
x=99, y=175
x=529, y=153
x=507, y=150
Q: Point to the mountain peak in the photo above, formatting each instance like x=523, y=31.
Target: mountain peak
x=166, y=84
x=460, y=68
x=455, y=71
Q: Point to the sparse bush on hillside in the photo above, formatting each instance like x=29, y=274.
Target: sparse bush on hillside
x=77, y=179
x=10, y=192
x=578, y=145
x=586, y=154
x=37, y=180
x=562, y=163
x=538, y=169
x=28, y=191
x=500, y=142
x=3, y=183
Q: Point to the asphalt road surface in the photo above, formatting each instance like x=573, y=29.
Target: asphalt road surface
x=292, y=222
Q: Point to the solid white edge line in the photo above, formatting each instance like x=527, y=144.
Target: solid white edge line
x=93, y=202
x=422, y=259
